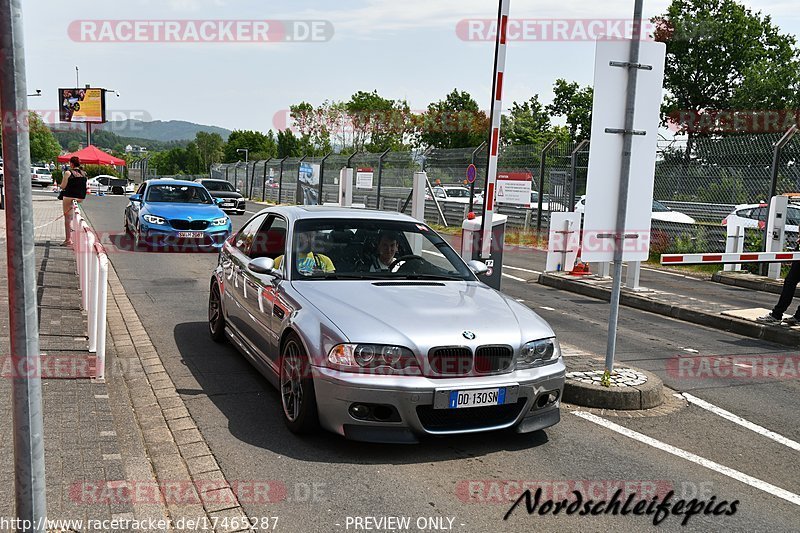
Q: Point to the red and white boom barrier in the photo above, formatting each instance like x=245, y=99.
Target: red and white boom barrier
x=708, y=259
x=93, y=273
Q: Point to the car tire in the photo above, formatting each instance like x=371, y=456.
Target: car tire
x=240, y=212
x=296, y=387
x=216, y=318
x=138, y=243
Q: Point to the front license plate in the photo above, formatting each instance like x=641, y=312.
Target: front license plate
x=190, y=235
x=227, y=204
x=465, y=398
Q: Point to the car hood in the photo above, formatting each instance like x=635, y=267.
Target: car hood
x=225, y=194
x=420, y=315
x=179, y=210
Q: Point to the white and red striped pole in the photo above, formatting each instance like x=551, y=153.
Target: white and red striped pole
x=710, y=259
x=494, y=117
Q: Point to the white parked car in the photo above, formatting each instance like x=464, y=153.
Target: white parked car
x=755, y=216
x=454, y=194
x=660, y=212
x=110, y=184
x=41, y=176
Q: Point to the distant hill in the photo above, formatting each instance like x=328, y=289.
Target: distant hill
x=157, y=130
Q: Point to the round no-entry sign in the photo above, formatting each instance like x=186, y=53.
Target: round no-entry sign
x=472, y=173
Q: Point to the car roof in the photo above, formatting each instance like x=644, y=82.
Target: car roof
x=211, y=179
x=171, y=182
x=307, y=212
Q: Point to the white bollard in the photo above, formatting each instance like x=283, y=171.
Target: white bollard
x=734, y=244
x=102, y=302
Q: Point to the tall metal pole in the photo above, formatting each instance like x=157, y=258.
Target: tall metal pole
x=494, y=135
x=574, y=174
x=622, y=207
x=472, y=185
x=29, y=479
x=264, y=181
x=773, y=188
x=322, y=177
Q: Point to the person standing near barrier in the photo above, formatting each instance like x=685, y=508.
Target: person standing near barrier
x=73, y=188
x=787, y=294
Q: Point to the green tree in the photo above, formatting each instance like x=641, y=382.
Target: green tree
x=455, y=122
x=529, y=123
x=574, y=104
x=721, y=56
x=378, y=123
x=209, y=148
x=44, y=146
x=254, y=141
x=288, y=144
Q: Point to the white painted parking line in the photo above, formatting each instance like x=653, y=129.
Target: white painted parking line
x=702, y=461
x=727, y=415
x=251, y=212
x=515, y=278
x=522, y=269
x=547, y=308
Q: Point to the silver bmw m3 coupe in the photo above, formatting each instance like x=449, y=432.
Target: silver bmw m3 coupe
x=372, y=326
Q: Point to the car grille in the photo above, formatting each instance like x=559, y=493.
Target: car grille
x=189, y=224
x=450, y=361
x=468, y=418
x=491, y=359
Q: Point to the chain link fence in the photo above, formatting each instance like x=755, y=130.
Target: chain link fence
x=698, y=182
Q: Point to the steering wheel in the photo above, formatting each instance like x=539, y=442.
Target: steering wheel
x=405, y=259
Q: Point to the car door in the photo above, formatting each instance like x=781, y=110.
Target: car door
x=261, y=300
x=236, y=261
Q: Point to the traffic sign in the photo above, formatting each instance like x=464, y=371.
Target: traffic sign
x=472, y=173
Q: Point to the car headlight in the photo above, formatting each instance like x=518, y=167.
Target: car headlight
x=536, y=353
x=154, y=220
x=220, y=221
x=359, y=357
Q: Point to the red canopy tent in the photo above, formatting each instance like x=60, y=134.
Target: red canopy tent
x=91, y=155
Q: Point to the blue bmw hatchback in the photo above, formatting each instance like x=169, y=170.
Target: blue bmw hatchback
x=175, y=214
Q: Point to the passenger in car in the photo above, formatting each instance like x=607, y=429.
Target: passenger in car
x=388, y=244
x=309, y=261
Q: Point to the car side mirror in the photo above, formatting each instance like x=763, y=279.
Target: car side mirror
x=219, y=201
x=478, y=267
x=263, y=265
x=135, y=198
x=239, y=190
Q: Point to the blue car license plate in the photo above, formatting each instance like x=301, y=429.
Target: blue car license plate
x=190, y=235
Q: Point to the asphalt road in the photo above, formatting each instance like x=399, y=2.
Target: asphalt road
x=323, y=482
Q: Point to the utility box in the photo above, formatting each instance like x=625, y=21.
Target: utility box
x=776, y=231
x=471, y=247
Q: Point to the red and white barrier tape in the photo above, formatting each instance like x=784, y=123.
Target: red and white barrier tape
x=708, y=259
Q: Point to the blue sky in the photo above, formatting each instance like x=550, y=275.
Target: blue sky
x=404, y=49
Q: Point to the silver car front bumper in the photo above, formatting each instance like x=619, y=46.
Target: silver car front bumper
x=411, y=401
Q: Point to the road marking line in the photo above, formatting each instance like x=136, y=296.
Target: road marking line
x=547, y=308
x=667, y=273
x=691, y=350
x=742, y=422
x=702, y=461
x=523, y=269
x=515, y=278
x=251, y=212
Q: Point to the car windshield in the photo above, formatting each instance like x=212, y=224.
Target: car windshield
x=457, y=193
x=218, y=186
x=327, y=249
x=658, y=207
x=43, y=171
x=180, y=194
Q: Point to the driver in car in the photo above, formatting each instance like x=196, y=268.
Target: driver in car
x=308, y=261
x=385, y=252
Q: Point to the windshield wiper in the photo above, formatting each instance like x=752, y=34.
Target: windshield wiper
x=334, y=275
x=430, y=277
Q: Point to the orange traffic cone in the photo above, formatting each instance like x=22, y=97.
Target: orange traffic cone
x=580, y=268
